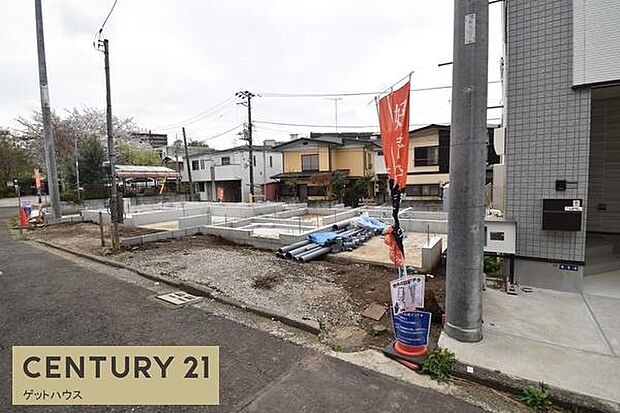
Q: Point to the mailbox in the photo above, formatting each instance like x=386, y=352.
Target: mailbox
x=562, y=214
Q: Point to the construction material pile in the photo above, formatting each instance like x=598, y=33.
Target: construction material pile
x=344, y=236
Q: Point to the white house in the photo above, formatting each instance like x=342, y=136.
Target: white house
x=225, y=174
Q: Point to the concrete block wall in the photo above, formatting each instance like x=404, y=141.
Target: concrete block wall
x=194, y=221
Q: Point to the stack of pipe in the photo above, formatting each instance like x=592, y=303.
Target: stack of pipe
x=349, y=238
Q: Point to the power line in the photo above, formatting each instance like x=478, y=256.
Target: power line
x=216, y=109
x=223, y=133
x=350, y=94
x=108, y=16
x=347, y=126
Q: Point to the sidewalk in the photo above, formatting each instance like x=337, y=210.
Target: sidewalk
x=567, y=340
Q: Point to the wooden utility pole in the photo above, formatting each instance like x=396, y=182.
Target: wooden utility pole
x=189, y=169
x=115, y=208
x=48, y=135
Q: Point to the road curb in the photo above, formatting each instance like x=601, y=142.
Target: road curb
x=197, y=289
x=495, y=379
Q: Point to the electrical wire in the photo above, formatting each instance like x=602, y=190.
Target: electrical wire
x=223, y=133
x=214, y=110
x=345, y=126
x=108, y=16
x=97, y=37
x=350, y=94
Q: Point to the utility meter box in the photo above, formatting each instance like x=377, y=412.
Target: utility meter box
x=562, y=214
x=500, y=236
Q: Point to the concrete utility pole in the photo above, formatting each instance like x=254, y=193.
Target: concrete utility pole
x=48, y=135
x=248, y=96
x=189, y=169
x=114, y=204
x=467, y=171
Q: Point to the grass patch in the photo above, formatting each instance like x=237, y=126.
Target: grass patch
x=536, y=398
x=439, y=364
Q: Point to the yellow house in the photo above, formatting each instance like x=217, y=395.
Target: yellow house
x=309, y=164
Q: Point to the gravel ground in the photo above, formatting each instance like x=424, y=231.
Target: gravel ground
x=251, y=276
x=334, y=292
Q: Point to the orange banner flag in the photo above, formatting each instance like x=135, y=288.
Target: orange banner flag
x=394, y=124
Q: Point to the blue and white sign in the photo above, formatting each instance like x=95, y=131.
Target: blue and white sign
x=412, y=327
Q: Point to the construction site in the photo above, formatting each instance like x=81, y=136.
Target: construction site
x=258, y=255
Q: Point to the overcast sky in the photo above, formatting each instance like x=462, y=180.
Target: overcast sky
x=174, y=60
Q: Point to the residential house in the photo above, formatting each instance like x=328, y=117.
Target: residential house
x=429, y=163
x=562, y=141
x=310, y=163
x=224, y=175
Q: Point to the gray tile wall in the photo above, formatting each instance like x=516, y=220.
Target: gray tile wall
x=548, y=125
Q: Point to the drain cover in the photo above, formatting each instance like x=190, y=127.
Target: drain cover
x=178, y=298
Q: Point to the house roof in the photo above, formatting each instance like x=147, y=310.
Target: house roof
x=144, y=171
x=257, y=148
x=336, y=139
x=306, y=174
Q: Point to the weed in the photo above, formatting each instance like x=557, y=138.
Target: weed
x=439, y=364
x=266, y=282
x=335, y=347
x=536, y=398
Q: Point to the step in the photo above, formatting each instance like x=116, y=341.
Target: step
x=599, y=250
x=600, y=267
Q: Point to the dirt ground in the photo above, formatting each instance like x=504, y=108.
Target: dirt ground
x=333, y=293
x=85, y=236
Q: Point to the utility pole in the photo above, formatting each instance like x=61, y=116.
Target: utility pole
x=467, y=171
x=248, y=96
x=48, y=135
x=335, y=111
x=189, y=169
x=176, y=155
x=77, y=168
x=115, y=208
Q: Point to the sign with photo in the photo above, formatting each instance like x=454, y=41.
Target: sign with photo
x=407, y=293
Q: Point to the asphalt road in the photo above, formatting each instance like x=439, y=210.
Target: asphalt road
x=47, y=300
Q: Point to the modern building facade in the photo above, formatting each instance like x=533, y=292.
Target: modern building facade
x=224, y=175
x=562, y=139
x=154, y=140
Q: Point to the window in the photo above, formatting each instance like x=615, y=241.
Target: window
x=270, y=161
x=422, y=190
x=316, y=191
x=426, y=156
x=201, y=186
x=195, y=165
x=202, y=164
x=225, y=160
x=310, y=162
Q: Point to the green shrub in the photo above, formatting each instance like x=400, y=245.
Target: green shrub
x=492, y=266
x=439, y=364
x=536, y=398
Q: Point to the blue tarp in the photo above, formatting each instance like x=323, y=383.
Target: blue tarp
x=369, y=223
x=323, y=238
